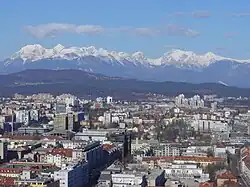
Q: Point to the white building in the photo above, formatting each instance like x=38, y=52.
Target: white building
x=165, y=149
x=109, y=100
x=188, y=171
x=180, y=100
x=22, y=116
x=107, y=118
x=210, y=125
x=213, y=106
x=99, y=99
x=71, y=101
x=57, y=159
x=96, y=135
x=34, y=115
x=221, y=151
x=126, y=180
x=193, y=102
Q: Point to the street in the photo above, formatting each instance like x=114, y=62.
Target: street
x=235, y=169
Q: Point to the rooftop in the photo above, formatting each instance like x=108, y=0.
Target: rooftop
x=61, y=151
x=184, y=158
x=226, y=175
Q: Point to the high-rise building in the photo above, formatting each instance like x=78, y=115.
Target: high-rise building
x=71, y=101
x=71, y=122
x=60, y=122
x=107, y=118
x=66, y=122
x=60, y=108
x=194, y=102
x=214, y=106
x=34, y=115
x=22, y=116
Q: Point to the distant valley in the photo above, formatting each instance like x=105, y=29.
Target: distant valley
x=82, y=83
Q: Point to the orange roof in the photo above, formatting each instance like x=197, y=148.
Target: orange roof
x=16, y=170
x=156, y=158
x=62, y=151
x=21, y=137
x=230, y=183
x=107, y=146
x=244, y=154
x=245, y=150
x=206, y=184
x=226, y=175
x=53, y=137
x=201, y=159
x=184, y=158
x=6, y=180
x=26, y=137
x=30, y=163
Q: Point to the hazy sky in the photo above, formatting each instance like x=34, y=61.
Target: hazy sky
x=151, y=26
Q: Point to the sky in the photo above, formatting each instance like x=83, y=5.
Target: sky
x=151, y=26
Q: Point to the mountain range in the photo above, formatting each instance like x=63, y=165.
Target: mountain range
x=82, y=83
x=175, y=65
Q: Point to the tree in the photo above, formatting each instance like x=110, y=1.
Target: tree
x=210, y=153
x=211, y=169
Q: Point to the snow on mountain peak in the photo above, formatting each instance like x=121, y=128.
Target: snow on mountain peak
x=138, y=54
x=91, y=50
x=29, y=52
x=58, y=48
x=181, y=58
x=177, y=57
x=210, y=54
x=35, y=49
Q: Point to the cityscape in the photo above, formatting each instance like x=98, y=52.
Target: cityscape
x=133, y=93
x=162, y=141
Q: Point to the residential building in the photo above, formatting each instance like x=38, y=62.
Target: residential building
x=74, y=175
x=224, y=177
x=166, y=149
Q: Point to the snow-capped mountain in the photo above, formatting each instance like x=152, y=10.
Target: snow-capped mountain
x=175, y=65
x=36, y=52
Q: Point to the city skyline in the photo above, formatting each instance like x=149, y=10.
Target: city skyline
x=153, y=28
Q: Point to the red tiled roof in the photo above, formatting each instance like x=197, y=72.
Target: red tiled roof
x=25, y=137
x=107, y=146
x=244, y=154
x=230, y=183
x=202, y=159
x=53, y=137
x=206, y=184
x=20, y=137
x=6, y=180
x=62, y=151
x=185, y=158
x=245, y=150
x=16, y=170
x=155, y=158
x=226, y=175
x=30, y=163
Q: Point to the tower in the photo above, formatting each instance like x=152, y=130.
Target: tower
x=109, y=100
